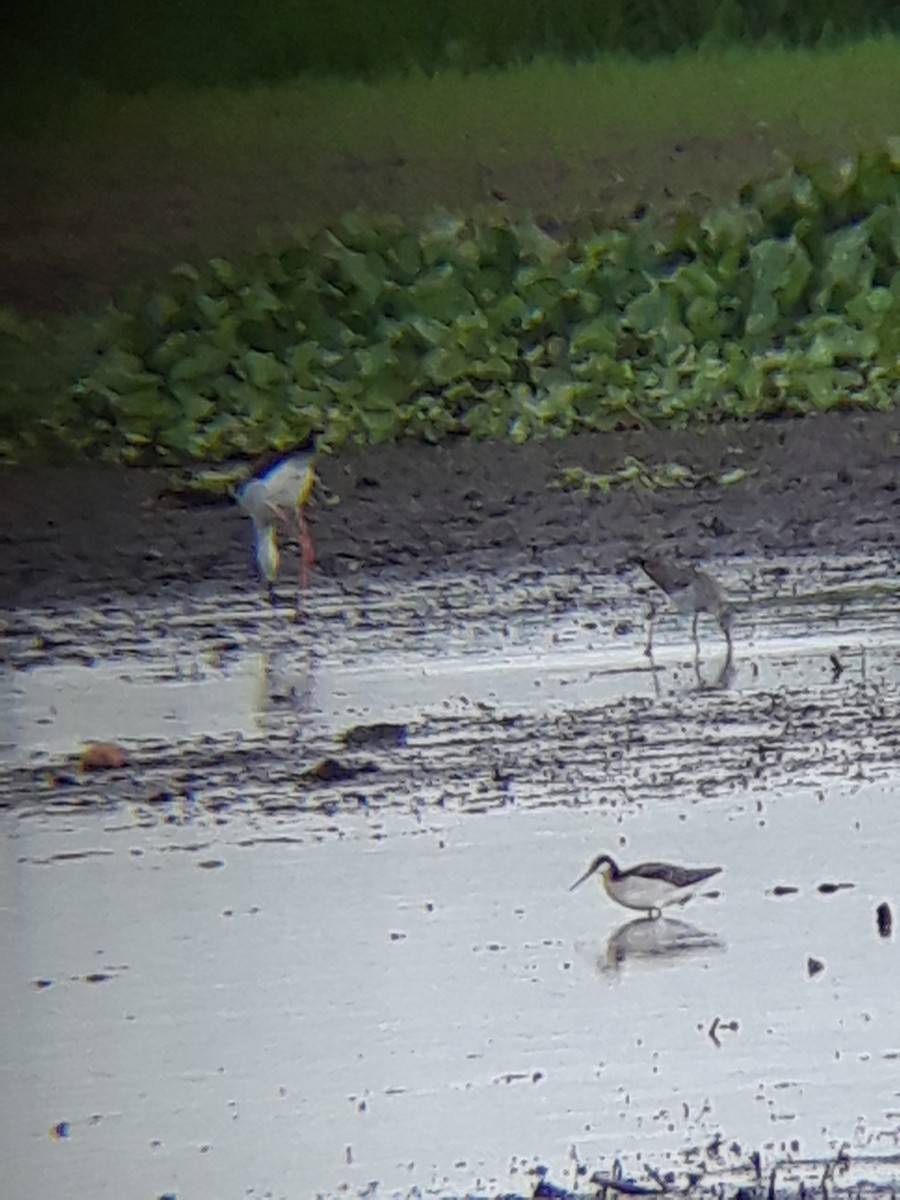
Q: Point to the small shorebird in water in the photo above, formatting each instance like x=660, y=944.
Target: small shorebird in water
x=691, y=591
x=649, y=886
x=279, y=493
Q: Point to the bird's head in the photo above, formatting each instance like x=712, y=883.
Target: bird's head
x=601, y=863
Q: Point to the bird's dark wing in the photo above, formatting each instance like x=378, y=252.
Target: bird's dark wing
x=677, y=876
x=668, y=575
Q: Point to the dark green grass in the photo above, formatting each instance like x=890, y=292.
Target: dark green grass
x=848, y=96
x=118, y=180
x=135, y=46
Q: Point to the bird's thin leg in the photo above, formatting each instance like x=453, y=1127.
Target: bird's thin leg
x=648, y=645
x=727, y=672
x=307, y=557
x=696, y=648
x=306, y=541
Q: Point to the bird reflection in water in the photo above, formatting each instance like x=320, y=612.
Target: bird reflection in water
x=663, y=941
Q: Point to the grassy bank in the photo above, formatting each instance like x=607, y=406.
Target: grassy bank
x=382, y=329
x=845, y=95
x=116, y=190
x=113, y=193
x=130, y=47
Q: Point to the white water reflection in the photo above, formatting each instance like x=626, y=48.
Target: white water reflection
x=226, y=980
x=52, y=710
x=657, y=940
x=296, y=1007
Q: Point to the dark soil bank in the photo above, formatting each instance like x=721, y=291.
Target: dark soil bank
x=825, y=484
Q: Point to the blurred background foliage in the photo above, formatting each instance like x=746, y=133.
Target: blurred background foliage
x=128, y=47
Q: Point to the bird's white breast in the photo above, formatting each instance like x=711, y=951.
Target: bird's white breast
x=636, y=891
x=286, y=481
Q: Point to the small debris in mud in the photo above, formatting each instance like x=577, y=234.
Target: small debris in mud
x=56, y=780
x=783, y=889
x=75, y=855
x=96, y=977
x=828, y=889
x=383, y=733
x=40, y=984
x=501, y=777
x=814, y=966
x=837, y=668
x=718, y=1023
x=60, y=1130
x=398, y=937
x=160, y=798
x=330, y=770
x=103, y=756
x=885, y=919
x=549, y=1191
x=624, y=1186
x=211, y=864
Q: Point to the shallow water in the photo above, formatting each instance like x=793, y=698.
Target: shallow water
x=227, y=975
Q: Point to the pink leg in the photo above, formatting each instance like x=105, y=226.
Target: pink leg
x=307, y=552
x=307, y=555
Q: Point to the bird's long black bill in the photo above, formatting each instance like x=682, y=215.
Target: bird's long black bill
x=588, y=873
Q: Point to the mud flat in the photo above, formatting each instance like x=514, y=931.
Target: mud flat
x=317, y=933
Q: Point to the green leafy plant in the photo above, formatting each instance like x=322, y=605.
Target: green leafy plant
x=378, y=329
x=636, y=474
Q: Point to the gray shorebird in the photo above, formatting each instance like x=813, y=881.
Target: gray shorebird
x=278, y=494
x=690, y=591
x=649, y=886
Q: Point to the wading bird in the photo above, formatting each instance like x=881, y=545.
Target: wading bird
x=691, y=591
x=649, y=886
x=278, y=494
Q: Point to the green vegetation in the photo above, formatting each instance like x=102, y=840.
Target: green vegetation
x=847, y=95
x=634, y=473
x=379, y=329
x=115, y=190
x=136, y=46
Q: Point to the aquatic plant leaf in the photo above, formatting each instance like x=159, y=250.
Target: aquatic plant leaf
x=224, y=272
x=201, y=361
x=212, y=309
x=381, y=328
x=849, y=264
x=841, y=343
x=264, y=371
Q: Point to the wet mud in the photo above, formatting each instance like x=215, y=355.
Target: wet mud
x=323, y=900
x=826, y=485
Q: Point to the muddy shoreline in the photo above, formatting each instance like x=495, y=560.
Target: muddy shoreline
x=460, y=596
x=825, y=484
